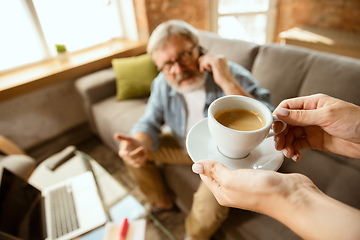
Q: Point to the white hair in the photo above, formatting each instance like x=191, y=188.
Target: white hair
x=171, y=28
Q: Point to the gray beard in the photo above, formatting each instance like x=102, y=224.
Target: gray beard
x=198, y=82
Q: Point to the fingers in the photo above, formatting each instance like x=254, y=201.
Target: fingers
x=198, y=168
x=135, y=158
x=210, y=173
x=299, y=117
x=277, y=127
x=291, y=142
x=302, y=111
x=208, y=68
x=211, y=169
x=303, y=103
x=211, y=62
x=280, y=139
x=204, y=64
x=289, y=150
x=127, y=144
x=293, y=134
x=124, y=146
x=132, y=153
x=139, y=152
x=120, y=137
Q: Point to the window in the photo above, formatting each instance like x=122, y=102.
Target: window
x=19, y=41
x=30, y=29
x=249, y=20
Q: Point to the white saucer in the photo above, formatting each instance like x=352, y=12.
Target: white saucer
x=201, y=146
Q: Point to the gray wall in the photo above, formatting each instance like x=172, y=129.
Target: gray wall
x=35, y=117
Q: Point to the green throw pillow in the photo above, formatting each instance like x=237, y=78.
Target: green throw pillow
x=134, y=76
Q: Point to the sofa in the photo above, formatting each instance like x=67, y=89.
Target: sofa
x=14, y=159
x=287, y=71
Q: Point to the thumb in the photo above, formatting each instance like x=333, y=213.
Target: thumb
x=211, y=169
x=298, y=117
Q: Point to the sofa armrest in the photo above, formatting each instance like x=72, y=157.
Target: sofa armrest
x=9, y=148
x=95, y=87
x=15, y=160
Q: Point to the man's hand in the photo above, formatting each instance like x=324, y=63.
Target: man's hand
x=217, y=64
x=131, y=151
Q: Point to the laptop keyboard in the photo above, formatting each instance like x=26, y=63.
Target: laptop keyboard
x=64, y=219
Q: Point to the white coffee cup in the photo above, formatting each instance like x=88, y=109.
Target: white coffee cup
x=238, y=144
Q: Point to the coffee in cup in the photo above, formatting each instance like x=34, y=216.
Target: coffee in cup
x=240, y=119
x=239, y=124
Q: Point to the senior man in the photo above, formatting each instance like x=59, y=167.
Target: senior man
x=189, y=80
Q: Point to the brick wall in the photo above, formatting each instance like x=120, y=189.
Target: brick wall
x=328, y=14
x=141, y=18
x=150, y=13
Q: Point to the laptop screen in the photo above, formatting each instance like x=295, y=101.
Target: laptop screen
x=20, y=208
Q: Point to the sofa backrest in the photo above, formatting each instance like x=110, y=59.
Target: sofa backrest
x=289, y=71
x=238, y=51
x=281, y=69
x=334, y=75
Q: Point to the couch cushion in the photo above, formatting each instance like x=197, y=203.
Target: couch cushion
x=242, y=224
x=344, y=186
x=95, y=87
x=112, y=116
x=337, y=176
x=238, y=51
x=134, y=76
x=334, y=75
x=281, y=69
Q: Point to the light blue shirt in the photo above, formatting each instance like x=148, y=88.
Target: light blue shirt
x=166, y=106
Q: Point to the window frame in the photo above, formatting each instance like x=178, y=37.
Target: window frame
x=271, y=15
x=125, y=10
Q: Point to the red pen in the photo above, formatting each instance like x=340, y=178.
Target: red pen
x=123, y=230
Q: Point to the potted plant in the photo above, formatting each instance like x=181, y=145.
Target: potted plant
x=61, y=50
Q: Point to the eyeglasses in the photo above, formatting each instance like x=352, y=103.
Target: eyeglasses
x=184, y=59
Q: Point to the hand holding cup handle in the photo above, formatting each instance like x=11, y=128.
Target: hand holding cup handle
x=276, y=119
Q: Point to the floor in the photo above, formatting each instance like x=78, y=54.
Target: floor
x=172, y=221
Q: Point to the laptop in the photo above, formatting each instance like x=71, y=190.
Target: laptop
x=65, y=210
